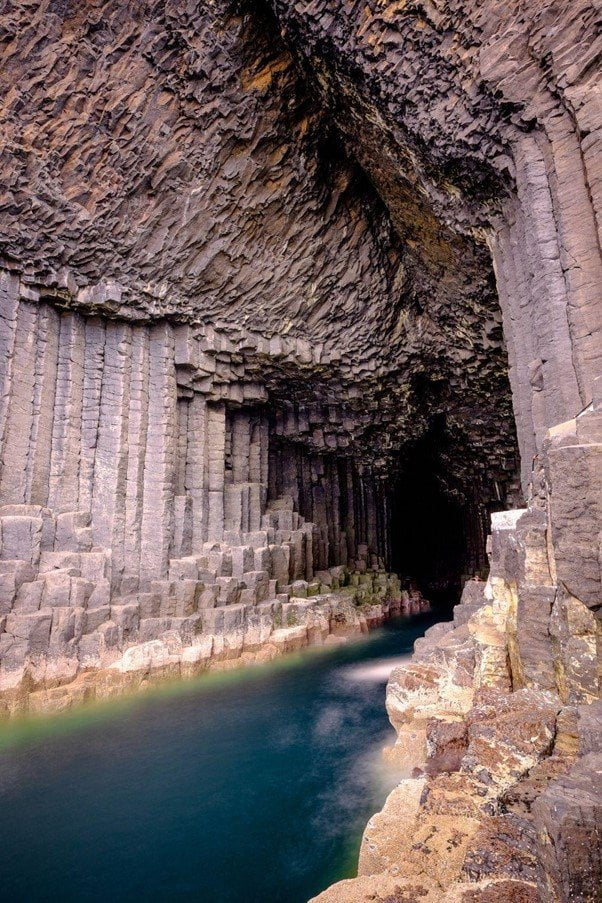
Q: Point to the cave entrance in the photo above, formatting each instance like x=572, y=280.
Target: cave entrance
x=437, y=529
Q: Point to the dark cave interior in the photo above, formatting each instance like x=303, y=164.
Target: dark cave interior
x=437, y=530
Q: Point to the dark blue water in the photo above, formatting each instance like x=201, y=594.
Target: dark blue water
x=249, y=787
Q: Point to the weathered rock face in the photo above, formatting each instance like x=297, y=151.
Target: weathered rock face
x=148, y=494
x=217, y=353
x=171, y=161
x=498, y=715
x=480, y=122
x=266, y=268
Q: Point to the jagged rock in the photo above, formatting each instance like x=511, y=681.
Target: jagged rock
x=568, y=817
x=508, y=807
x=447, y=744
x=274, y=278
x=508, y=733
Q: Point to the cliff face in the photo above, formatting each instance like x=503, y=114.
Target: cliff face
x=274, y=276
x=217, y=353
x=498, y=716
x=481, y=121
x=170, y=162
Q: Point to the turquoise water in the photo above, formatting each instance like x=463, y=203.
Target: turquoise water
x=252, y=787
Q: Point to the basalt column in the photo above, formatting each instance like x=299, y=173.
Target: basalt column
x=346, y=500
x=275, y=276
x=148, y=500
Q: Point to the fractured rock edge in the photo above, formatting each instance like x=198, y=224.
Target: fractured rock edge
x=149, y=493
x=249, y=635
x=499, y=718
x=68, y=640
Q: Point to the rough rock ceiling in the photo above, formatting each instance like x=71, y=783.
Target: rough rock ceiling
x=221, y=173
x=179, y=154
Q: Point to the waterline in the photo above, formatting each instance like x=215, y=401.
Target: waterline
x=251, y=785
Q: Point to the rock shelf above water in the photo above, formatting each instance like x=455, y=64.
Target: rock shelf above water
x=290, y=291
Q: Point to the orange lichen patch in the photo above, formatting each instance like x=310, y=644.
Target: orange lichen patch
x=261, y=80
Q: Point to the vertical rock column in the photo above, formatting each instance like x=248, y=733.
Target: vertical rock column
x=182, y=543
x=348, y=493
x=245, y=491
x=29, y=376
x=138, y=422
x=512, y=282
x=579, y=250
x=111, y=460
x=216, y=447
x=160, y=458
x=95, y=337
x=371, y=514
x=66, y=435
x=257, y=471
x=196, y=477
x=334, y=509
x=20, y=412
x=9, y=304
x=548, y=289
x=38, y=460
x=347, y=503
x=319, y=514
x=382, y=520
x=237, y=479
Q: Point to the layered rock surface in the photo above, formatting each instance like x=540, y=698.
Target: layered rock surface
x=172, y=161
x=479, y=123
x=149, y=493
x=262, y=262
x=498, y=716
x=213, y=364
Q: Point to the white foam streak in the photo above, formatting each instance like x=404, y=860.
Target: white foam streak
x=377, y=671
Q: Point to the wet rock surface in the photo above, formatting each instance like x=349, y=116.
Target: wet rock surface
x=275, y=278
x=498, y=724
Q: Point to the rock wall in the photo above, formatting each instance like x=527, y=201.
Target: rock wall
x=171, y=162
x=257, y=260
x=479, y=123
x=498, y=716
x=147, y=489
x=165, y=437
x=214, y=346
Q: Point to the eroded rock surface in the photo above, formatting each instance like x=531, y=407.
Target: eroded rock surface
x=213, y=334
x=266, y=266
x=498, y=722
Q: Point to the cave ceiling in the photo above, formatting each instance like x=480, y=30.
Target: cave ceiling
x=259, y=169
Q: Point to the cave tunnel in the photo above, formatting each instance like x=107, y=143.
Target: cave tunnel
x=422, y=513
x=437, y=530
x=296, y=362
x=330, y=352
x=289, y=294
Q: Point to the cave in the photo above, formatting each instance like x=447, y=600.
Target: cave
x=300, y=320
x=284, y=333
x=430, y=539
